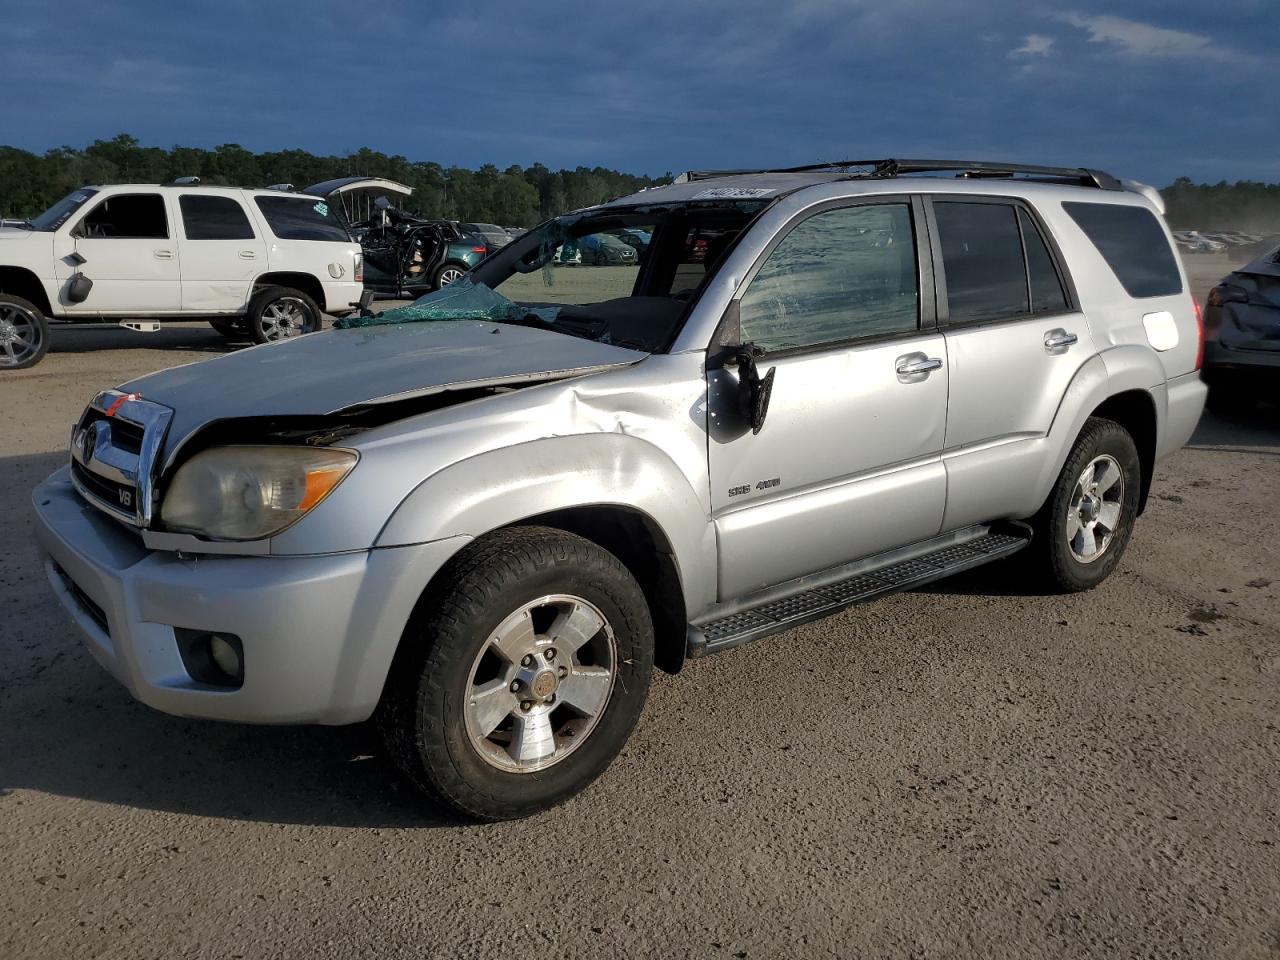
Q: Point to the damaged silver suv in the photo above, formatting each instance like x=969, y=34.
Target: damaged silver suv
x=484, y=518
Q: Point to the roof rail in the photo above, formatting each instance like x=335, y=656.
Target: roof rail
x=1083, y=176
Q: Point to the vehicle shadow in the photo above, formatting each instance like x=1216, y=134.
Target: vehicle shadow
x=1256, y=431
x=92, y=338
x=83, y=737
x=72, y=730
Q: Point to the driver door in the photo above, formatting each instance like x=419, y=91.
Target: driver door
x=126, y=242
x=848, y=460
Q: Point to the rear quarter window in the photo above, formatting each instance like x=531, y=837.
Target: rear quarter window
x=1132, y=242
x=302, y=218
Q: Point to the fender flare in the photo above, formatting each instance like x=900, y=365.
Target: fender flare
x=1123, y=369
x=502, y=487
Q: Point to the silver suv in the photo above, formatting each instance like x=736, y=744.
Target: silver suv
x=483, y=518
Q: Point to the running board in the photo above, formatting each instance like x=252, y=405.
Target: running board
x=820, y=595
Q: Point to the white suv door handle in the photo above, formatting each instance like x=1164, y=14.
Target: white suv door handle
x=164, y=254
x=914, y=364
x=1059, y=339
x=247, y=255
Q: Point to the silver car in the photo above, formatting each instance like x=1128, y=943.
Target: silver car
x=484, y=518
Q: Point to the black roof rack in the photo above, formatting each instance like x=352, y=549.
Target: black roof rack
x=1082, y=176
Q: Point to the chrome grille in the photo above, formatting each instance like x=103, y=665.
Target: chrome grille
x=113, y=454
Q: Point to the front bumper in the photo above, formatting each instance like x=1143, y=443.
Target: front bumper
x=319, y=632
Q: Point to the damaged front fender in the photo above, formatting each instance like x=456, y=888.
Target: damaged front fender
x=516, y=483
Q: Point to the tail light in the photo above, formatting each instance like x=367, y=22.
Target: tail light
x=480, y=250
x=359, y=271
x=1199, y=333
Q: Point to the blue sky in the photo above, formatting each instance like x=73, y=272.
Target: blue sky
x=1150, y=90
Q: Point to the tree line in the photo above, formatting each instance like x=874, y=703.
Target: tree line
x=1245, y=205
x=516, y=196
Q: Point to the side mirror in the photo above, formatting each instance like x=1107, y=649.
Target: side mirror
x=754, y=391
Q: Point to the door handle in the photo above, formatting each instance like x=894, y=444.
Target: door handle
x=247, y=255
x=164, y=254
x=917, y=365
x=1058, y=340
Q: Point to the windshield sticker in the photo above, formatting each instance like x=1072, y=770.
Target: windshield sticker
x=733, y=193
x=322, y=208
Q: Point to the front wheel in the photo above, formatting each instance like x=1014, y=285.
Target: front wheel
x=1082, y=530
x=24, y=333
x=522, y=676
x=281, y=313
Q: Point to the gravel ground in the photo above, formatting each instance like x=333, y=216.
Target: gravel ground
x=962, y=771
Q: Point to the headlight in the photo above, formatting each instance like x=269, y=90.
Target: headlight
x=246, y=493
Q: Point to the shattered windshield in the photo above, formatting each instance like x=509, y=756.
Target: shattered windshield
x=61, y=211
x=623, y=276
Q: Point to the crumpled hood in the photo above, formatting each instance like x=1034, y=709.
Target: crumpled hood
x=324, y=373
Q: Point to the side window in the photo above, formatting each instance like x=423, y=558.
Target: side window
x=842, y=274
x=133, y=216
x=301, y=218
x=1132, y=242
x=1047, y=295
x=208, y=217
x=982, y=257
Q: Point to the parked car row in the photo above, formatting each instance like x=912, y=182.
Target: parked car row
x=259, y=265
x=1195, y=241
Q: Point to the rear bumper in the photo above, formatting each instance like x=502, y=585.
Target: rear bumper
x=318, y=632
x=1184, y=404
x=340, y=298
x=1220, y=360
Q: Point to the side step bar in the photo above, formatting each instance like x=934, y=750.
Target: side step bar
x=820, y=595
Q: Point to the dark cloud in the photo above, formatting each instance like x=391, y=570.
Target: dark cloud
x=1149, y=91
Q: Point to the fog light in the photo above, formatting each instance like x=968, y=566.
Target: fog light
x=213, y=658
x=225, y=656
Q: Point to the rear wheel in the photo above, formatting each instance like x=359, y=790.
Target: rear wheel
x=24, y=333
x=1082, y=530
x=447, y=274
x=281, y=313
x=523, y=676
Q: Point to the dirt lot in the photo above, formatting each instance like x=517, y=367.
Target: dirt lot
x=960, y=772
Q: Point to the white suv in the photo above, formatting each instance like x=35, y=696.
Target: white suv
x=264, y=264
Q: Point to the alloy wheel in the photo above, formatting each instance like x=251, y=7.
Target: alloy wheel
x=284, y=318
x=21, y=335
x=449, y=274
x=1095, y=509
x=540, y=684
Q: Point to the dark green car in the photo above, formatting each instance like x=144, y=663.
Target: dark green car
x=403, y=254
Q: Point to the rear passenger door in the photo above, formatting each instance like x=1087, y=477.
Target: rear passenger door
x=1015, y=339
x=221, y=253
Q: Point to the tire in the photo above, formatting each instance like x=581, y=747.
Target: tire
x=230, y=330
x=1061, y=546
x=431, y=718
x=281, y=313
x=446, y=274
x=24, y=333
